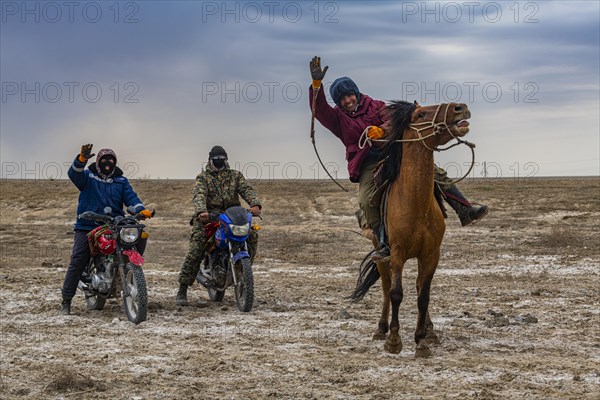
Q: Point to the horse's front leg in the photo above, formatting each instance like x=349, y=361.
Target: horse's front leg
x=430, y=334
x=393, y=344
x=383, y=326
x=424, y=331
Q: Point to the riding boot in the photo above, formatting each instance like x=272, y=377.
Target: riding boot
x=181, y=299
x=65, y=306
x=383, y=248
x=467, y=212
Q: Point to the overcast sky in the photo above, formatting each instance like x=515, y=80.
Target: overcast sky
x=162, y=82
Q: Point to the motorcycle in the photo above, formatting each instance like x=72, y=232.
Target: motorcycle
x=227, y=261
x=115, y=265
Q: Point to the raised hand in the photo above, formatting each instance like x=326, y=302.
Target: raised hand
x=315, y=69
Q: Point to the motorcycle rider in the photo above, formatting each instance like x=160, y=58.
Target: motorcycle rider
x=217, y=188
x=354, y=112
x=102, y=189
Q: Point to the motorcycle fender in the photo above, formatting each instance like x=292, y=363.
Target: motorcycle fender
x=134, y=257
x=239, y=255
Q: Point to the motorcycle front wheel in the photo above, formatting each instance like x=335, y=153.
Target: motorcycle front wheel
x=135, y=295
x=244, y=290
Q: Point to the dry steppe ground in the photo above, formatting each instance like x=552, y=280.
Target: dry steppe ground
x=515, y=302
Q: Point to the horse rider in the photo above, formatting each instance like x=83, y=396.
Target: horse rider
x=353, y=113
x=217, y=188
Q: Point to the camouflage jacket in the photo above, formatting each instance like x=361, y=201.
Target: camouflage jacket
x=218, y=190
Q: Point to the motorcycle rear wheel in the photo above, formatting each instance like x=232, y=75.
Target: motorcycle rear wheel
x=244, y=290
x=135, y=295
x=95, y=302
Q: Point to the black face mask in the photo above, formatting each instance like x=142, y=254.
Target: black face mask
x=218, y=161
x=106, y=166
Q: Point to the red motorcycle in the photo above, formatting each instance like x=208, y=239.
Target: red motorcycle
x=116, y=264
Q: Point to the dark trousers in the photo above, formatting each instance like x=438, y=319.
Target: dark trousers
x=80, y=258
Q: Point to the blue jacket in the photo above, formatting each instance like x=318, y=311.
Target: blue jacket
x=103, y=196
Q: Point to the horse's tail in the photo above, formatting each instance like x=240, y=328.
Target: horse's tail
x=367, y=276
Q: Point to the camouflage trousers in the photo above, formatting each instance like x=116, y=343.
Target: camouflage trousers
x=195, y=256
x=367, y=188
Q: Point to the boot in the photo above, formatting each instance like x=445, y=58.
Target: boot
x=383, y=249
x=467, y=212
x=181, y=299
x=65, y=306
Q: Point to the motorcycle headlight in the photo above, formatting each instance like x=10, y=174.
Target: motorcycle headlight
x=129, y=235
x=240, y=230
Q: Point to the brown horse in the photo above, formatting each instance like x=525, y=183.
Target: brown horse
x=414, y=220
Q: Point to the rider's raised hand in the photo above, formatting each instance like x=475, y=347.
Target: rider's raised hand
x=255, y=211
x=316, y=72
x=86, y=153
x=146, y=214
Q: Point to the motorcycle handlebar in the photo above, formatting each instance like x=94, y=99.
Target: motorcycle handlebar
x=94, y=216
x=90, y=215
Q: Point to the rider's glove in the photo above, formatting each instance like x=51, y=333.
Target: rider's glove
x=86, y=153
x=255, y=210
x=316, y=72
x=146, y=214
x=375, y=132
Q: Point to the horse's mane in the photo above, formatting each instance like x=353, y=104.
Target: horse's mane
x=399, y=114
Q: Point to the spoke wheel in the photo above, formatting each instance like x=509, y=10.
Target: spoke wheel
x=244, y=290
x=135, y=295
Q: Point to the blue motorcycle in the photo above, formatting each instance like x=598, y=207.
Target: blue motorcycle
x=227, y=261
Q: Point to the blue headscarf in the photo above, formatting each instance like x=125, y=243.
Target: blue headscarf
x=341, y=87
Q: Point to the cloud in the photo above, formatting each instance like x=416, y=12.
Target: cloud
x=189, y=74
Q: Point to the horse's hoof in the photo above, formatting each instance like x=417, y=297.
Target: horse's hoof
x=393, y=346
x=379, y=335
x=422, y=351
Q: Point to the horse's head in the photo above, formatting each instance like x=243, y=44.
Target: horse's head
x=440, y=123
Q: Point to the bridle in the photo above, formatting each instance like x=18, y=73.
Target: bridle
x=437, y=129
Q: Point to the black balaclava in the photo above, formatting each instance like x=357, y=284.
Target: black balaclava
x=106, y=162
x=218, y=157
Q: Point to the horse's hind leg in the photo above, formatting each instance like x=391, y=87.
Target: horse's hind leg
x=393, y=344
x=383, y=326
x=424, y=329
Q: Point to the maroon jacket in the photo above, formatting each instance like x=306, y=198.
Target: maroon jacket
x=348, y=127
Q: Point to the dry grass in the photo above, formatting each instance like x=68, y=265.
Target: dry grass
x=71, y=382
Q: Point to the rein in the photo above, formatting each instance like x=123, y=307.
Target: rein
x=312, y=137
x=437, y=129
